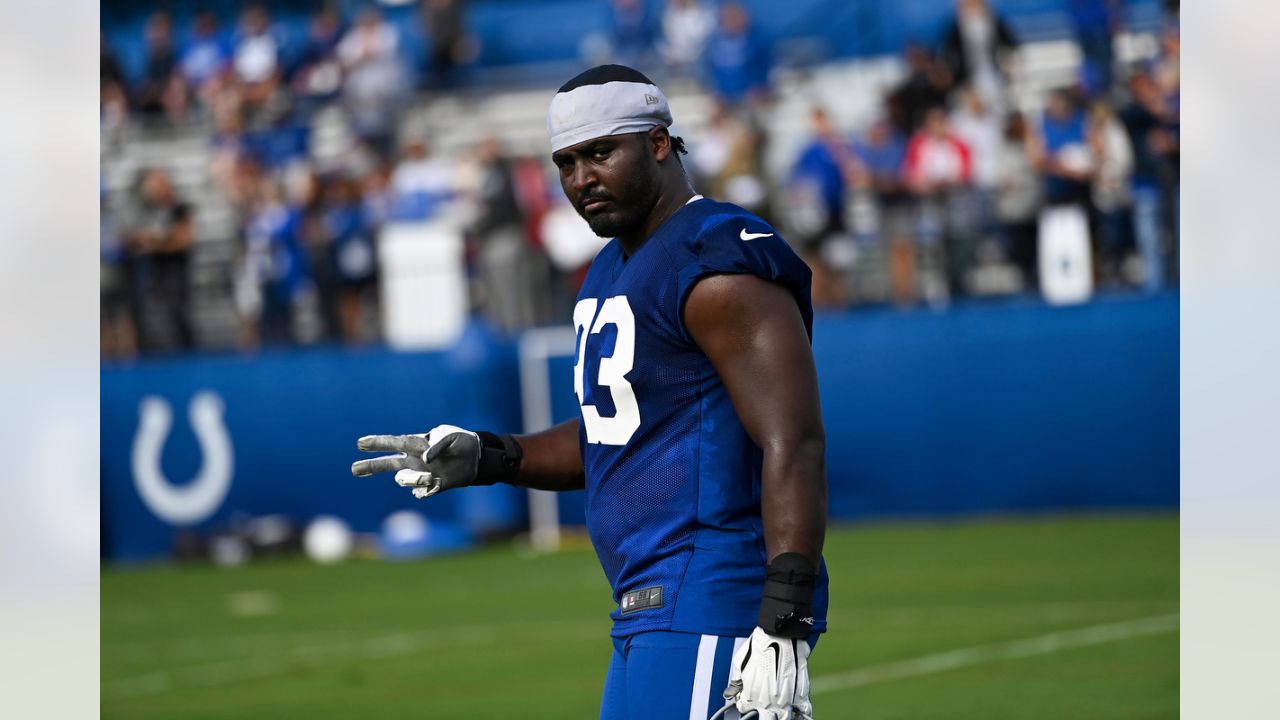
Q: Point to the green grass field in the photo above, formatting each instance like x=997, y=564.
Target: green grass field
x=1013, y=618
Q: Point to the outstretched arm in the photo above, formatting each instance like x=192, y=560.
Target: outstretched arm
x=552, y=459
x=754, y=335
x=450, y=457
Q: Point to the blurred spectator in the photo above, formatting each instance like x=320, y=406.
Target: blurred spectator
x=821, y=169
x=937, y=160
x=376, y=80
x=1019, y=198
x=119, y=336
x=351, y=239
x=377, y=201
x=570, y=245
x=1147, y=118
x=1166, y=70
x=113, y=98
x=227, y=148
x=631, y=32
x=307, y=202
x=272, y=269
x=1060, y=151
x=513, y=278
x=1113, y=163
x=925, y=88
x=1059, y=148
x=980, y=128
x=938, y=170
x=686, y=25
x=421, y=183
x=256, y=60
x=975, y=49
x=451, y=44
x=1096, y=22
x=738, y=60
x=318, y=76
x=158, y=229
x=207, y=53
x=881, y=155
x=161, y=92
x=726, y=160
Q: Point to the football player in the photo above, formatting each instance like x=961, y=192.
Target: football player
x=699, y=439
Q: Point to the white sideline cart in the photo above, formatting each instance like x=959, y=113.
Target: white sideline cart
x=422, y=284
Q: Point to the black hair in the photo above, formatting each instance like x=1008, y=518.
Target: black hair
x=601, y=74
x=677, y=144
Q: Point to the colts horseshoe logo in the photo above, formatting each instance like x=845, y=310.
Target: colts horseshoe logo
x=196, y=501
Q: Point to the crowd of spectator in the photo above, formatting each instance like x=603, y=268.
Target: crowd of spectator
x=951, y=181
x=943, y=191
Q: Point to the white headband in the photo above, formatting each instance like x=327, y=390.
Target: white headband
x=613, y=107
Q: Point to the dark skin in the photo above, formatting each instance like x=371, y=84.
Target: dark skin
x=749, y=328
x=635, y=179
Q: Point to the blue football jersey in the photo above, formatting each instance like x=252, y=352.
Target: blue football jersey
x=672, y=479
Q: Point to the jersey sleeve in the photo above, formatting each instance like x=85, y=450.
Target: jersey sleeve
x=746, y=245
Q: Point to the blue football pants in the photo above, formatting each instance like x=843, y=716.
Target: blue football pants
x=665, y=675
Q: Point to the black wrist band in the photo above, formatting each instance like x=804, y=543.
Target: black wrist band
x=786, y=610
x=500, y=457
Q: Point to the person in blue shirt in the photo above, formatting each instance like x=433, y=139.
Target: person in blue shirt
x=207, y=52
x=823, y=165
x=632, y=31
x=737, y=59
x=699, y=439
x=1062, y=149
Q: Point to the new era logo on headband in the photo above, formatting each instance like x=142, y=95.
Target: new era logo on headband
x=605, y=100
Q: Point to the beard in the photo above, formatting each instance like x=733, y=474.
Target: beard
x=628, y=210
x=621, y=220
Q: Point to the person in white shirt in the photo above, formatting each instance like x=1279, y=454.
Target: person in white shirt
x=375, y=80
x=1110, y=190
x=257, y=57
x=686, y=24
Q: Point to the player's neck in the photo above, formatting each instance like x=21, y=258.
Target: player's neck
x=668, y=204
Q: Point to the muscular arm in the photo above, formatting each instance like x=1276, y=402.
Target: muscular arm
x=552, y=459
x=754, y=335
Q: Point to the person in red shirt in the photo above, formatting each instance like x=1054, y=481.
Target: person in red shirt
x=938, y=169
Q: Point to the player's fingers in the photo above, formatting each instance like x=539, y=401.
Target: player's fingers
x=393, y=443
x=386, y=463
x=381, y=443
x=414, y=478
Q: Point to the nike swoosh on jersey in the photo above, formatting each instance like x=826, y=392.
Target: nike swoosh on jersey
x=752, y=236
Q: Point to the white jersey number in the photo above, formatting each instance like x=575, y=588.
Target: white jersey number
x=616, y=311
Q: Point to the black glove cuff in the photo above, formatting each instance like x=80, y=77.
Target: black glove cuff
x=786, y=610
x=500, y=457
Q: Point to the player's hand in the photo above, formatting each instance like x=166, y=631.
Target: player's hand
x=445, y=458
x=770, y=675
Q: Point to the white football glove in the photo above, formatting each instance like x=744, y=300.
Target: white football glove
x=445, y=458
x=770, y=675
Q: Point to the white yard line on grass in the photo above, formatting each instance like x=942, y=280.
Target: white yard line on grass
x=1012, y=650
x=316, y=656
